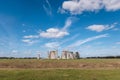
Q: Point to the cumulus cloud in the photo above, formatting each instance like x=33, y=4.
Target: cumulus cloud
x=111, y=5
x=80, y=42
x=100, y=28
x=57, y=33
x=79, y=6
x=53, y=33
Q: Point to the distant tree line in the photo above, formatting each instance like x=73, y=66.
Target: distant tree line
x=105, y=57
x=17, y=58
x=77, y=55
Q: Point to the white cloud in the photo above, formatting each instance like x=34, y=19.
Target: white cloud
x=53, y=33
x=31, y=36
x=80, y=42
x=55, y=45
x=28, y=41
x=69, y=39
x=52, y=45
x=97, y=28
x=57, y=33
x=117, y=42
x=100, y=28
x=14, y=51
x=79, y=6
x=47, y=8
x=60, y=10
x=111, y=5
x=68, y=23
x=116, y=29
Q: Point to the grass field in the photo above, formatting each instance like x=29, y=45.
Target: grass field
x=84, y=69
x=60, y=74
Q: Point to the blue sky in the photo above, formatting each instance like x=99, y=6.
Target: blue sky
x=29, y=27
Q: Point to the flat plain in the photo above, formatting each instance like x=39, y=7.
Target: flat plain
x=82, y=69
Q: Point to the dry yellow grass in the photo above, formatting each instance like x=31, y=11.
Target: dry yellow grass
x=83, y=69
x=44, y=64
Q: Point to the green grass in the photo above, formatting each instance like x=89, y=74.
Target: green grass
x=60, y=74
x=83, y=69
